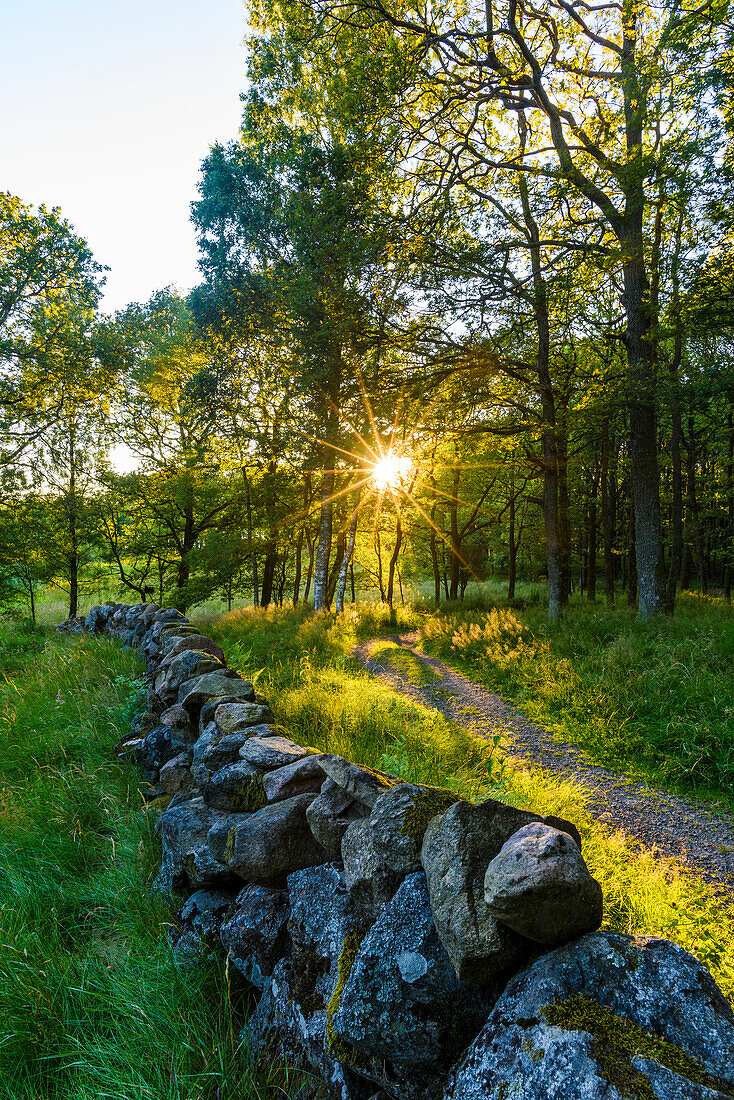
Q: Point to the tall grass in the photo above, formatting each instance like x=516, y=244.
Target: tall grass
x=92, y=1003
x=302, y=664
x=654, y=699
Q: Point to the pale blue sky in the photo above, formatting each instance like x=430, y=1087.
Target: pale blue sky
x=107, y=109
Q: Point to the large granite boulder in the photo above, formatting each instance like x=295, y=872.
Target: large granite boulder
x=193, y=694
x=371, y=882
x=457, y=848
x=274, y=842
x=539, y=886
x=330, y=815
x=187, y=861
x=198, y=642
x=400, y=1003
x=607, y=1017
x=175, y=775
x=269, y=753
x=399, y=820
x=231, y=716
x=196, y=926
x=186, y=666
x=255, y=933
x=96, y=620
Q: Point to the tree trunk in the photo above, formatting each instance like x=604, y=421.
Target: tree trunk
x=455, y=537
x=729, y=566
x=591, y=544
x=393, y=563
x=512, y=563
x=323, y=550
x=347, y=561
x=676, y=437
x=271, y=561
x=297, y=577
x=643, y=425
x=433, y=549
x=632, y=556
x=73, y=530
x=378, y=551
x=309, y=571
x=606, y=519
x=549, y=436
x=253, y=555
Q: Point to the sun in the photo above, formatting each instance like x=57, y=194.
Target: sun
x=388, y=471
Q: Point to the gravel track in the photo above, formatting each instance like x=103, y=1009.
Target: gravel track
x=701, y=840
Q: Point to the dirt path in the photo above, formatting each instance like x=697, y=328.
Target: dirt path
x=702, y=840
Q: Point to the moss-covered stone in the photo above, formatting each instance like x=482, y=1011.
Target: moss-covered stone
x=617, y=1040
x=338, y=1048
x=427, y=804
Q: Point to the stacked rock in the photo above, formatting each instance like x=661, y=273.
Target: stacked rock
x=403, y=943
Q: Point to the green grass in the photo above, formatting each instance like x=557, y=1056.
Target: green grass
x=91, y=1002
x=406, y=664
x=655, y=700
x=324, y=700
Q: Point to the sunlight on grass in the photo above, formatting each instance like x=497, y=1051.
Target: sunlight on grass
x=655, y=699
x=325, y=701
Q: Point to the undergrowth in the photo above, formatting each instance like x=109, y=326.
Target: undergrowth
x=326, y=701
x=91, y=1002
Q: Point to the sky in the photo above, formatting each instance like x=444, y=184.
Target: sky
x=107, y=108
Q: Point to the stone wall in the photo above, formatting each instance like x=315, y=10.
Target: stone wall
x=402, y=943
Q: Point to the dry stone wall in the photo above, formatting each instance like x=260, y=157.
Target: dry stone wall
x=402, y=943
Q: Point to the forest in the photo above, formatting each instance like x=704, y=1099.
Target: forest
x=424, y=492
x=464, y=314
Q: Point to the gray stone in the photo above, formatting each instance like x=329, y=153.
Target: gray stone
x=203, y=913
x=236, y=788
x=231, y=717
x=331, y=814
x=223, y=750
x=156, y=749
x=187, y=861
x=220, y=837
x=95, y=621
x=199, y=642
x=370, y=881
x=274, y=842
x=186, y=666
x=279, y=1029
x=561, y=1030
x=539, y=886
x=302, y=777
x=401, y=1002
x=457, y=848
x=270, y=753
x=176, y=775
x=178, y=719
x=194, y=693
x=399, y=820
x=363, y=784
x=255, y=934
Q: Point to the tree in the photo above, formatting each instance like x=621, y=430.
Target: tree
x=46, y=274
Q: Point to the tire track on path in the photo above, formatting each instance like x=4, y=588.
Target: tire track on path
x=701, y=840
